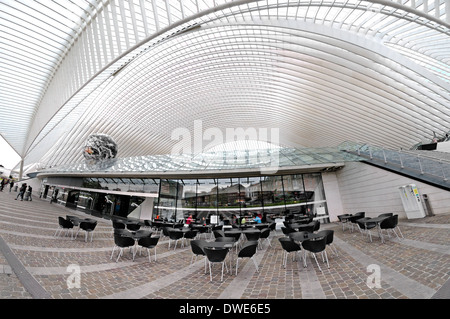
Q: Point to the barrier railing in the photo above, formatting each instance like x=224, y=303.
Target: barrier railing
x=421, y=163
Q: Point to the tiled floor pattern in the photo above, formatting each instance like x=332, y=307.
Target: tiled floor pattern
x=416, y=267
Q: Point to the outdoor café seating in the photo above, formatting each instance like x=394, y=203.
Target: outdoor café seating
x=315, y=246
x=87, y=226
x=64, y=225
x=149, y=243
x=216, y=255
x=121, y=242
x=289, y=246
x=248, y=250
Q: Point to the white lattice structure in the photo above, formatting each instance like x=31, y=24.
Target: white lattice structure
x=322, y=72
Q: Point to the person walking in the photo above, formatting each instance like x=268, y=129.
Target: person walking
x=28, y=193
x=11, y=184
x=22, y=190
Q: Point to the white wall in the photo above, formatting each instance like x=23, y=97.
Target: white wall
x=373, y=190
x=443, y=147
x=144, y=211
x=332, y=195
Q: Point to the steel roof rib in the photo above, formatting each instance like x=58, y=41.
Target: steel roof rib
x=322, y=72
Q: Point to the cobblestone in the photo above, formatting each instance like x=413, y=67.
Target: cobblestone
x=28, y=228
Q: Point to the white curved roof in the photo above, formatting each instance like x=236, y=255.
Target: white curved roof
x=174, y=75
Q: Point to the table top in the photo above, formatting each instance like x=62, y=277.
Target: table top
x=219, y=244
x=137, y=236
x=181, y=230
x=345, y=217
x=77, y=220
x=252, y=230
x=366, y=220
x=302, y=236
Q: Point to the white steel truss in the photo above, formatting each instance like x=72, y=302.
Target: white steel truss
x=322, y=72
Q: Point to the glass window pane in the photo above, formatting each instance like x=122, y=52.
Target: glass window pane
x=188, y=199
x=295, y=194
x=272, y=194
x=206, y=199
x=167, y=204
x=230, y=194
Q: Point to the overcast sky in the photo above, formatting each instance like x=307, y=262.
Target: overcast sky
x=8, y=157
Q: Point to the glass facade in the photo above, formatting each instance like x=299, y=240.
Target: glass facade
x=176, y=199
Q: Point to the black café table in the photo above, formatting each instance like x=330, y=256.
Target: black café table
x=136, y=235
x=235, y=233
x=76, y=221
x=344, y=220
x=222, y=244
x=302, y=236
x=261, y=226
x=377, y=220
x=202, y=229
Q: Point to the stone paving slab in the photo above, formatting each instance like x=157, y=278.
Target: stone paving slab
x=415, y=268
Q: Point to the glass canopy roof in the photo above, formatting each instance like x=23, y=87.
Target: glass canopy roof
x=259, y=161
x=322, y=72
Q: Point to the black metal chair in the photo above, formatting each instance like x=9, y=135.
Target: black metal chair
x=148, y=224
x=74, y=219
x=64, y=224
x=365, y=226
x=117, y=225
x=329, y=233
x=390, y=223
x=343, y=220
x=197, y=250
x=286, y=231
x=165, y=231
x=133, y=226
x=190, y=235
x=203, y=230
x=307, y=227
x=247, y=251
x=122, y=242
x=272, y=226
x=289, y=246
x=315, y=246
x=253, y=236
x=386, y=215
x=175, y=235
x=149, y=243
x=316, y=225
x=218, y=233
x=157, y=226
x=355, y=217
x=216, y=255
x=265, y=233
x=88, y=226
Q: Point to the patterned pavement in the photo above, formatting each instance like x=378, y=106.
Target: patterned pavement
x=417, y=267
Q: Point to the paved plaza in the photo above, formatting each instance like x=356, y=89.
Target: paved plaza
x=35, y=264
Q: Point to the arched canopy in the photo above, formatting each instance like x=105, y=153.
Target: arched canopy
x=175, y=75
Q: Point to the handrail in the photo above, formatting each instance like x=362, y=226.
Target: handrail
x=422, y=163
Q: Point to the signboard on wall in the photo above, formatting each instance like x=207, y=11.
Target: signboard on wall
x=214, y=219
x=411, y=201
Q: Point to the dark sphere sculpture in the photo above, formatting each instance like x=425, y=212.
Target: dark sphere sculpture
x=99, y=147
